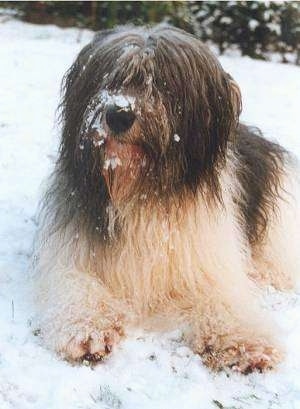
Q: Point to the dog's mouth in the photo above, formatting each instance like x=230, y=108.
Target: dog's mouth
x=111, y=124
x=122, y=166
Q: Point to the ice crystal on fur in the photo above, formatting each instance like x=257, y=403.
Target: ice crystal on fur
x=112, y=163
x=123, y=101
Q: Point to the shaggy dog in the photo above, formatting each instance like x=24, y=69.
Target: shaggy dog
x=163, y=209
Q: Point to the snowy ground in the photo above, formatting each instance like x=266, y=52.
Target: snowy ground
x=147, y=371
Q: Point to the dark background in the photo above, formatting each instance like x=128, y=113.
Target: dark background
x=257, y=29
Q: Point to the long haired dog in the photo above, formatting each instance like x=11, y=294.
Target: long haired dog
x=163, y=208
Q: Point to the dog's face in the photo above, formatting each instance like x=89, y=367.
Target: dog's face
x=147, y=114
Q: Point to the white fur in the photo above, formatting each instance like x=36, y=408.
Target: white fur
x=277, y=259
x=192, y=262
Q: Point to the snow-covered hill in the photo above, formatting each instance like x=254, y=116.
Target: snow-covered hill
x=146, y=371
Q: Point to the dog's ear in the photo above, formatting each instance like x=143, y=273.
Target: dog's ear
x=79, y=84
x=236, y=98
x=76, y=72
x=213, y=114
x=81, y=166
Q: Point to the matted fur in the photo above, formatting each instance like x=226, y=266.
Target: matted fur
x=184, y=227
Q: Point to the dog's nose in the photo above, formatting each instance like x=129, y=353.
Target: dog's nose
x=119, y=119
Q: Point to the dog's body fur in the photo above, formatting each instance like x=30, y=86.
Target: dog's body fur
x=196, y=215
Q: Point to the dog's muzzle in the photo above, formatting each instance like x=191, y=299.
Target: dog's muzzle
x=119, y=119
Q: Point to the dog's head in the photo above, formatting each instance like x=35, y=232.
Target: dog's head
x=147, y=115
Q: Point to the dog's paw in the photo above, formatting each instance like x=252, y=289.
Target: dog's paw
x=243, y=358
x=89, y=345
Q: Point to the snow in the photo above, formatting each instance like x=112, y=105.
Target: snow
x=147, y=370
x=253, y=24
x=93, y=113
x=123, y=101
x=226, y=20
x=112, y=163
x=98, y=143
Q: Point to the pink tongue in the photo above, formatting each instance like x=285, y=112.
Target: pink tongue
x=128, y=154
x=121, y=167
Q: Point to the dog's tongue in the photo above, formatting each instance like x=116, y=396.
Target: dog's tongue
x=121, y=167
x=127, y=154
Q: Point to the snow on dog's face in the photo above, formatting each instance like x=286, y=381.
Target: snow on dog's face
x=110, y=127
x=147, y=114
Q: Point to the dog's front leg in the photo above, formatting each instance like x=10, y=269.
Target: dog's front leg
x=77, y=315
x=229, y=328
x=230, y=336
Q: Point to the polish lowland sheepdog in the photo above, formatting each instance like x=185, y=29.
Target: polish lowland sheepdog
x=163, y=210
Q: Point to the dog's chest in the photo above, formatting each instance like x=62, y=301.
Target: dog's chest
x=159, y=256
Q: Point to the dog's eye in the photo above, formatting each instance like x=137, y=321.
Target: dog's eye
x=119, y=119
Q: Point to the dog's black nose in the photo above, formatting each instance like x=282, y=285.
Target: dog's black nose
x=119, y=119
